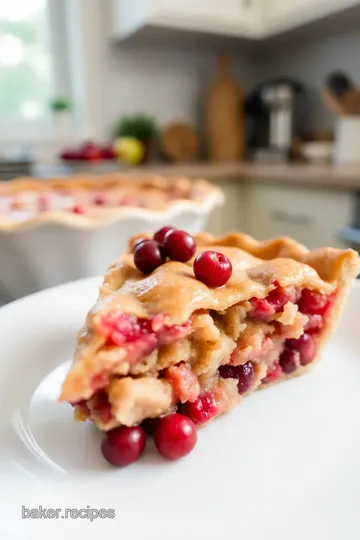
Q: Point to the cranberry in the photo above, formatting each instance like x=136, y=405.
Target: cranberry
x=314, y=324
x=264, y=308
x=78, y=209
x=289, y=361
x=99, y=200
x=159, y=236
x=212, y=268
x=120, y=328
x=179, y=245
x=202, y=410
x=123, y=445
x=279, y=297
x=306, y=347
x=274, y=373
x=148, y=256
x=175, y=436
x=312, y=302
x=261, y=309
x=44, y=203
x=138, y=242
x=245, y=375
x=149, y=425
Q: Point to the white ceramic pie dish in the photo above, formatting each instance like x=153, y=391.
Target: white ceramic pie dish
x=56, y=247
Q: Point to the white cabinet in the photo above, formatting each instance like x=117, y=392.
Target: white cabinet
x=228, y=17
x=253, y=19
x=281, y=15
x=314, y=217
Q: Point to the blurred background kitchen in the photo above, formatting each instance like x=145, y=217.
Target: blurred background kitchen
x=261, y=97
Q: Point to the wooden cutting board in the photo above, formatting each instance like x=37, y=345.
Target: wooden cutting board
x=179, y=142
x=224, y=116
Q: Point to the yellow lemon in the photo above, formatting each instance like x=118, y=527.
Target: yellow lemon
x=129, y=149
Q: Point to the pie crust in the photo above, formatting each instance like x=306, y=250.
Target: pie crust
x=154, y=344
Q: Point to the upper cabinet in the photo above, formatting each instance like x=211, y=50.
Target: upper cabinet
x=238, y=18
x=253, y=19
x=282, y=15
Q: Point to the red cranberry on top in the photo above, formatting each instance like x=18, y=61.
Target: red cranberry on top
x=212, y=268
x=148, y=256
x=159, y=236
x=179, y=245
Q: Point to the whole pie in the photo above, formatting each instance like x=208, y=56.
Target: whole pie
x=164, y=342
x=96, y=198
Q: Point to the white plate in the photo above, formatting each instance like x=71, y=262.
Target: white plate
x=285, y=464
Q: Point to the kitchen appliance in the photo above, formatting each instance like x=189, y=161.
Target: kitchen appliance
x=275, y=115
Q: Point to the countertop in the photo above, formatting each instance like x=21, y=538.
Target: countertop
x=322, y=176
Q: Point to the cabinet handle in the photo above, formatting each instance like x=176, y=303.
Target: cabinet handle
x=295, y=219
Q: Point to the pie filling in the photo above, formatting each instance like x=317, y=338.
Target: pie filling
x=204, y=367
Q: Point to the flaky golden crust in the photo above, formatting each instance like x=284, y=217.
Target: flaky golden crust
x=172, y=290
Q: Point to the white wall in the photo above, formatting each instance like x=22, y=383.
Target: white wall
x=311, y=60
x=168, y=82
x=161, y=79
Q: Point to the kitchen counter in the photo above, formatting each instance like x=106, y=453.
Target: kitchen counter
x=311, y=203
x=326, y=176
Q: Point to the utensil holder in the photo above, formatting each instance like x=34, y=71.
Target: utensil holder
x=347, y=141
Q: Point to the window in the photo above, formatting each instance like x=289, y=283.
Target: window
x=29, y=34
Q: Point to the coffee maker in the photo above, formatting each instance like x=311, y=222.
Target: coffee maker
x=275, y=115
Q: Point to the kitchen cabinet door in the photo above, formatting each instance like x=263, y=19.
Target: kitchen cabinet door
x=229, y=17
x=282, y=15
x=231, y=216
x=314, y=217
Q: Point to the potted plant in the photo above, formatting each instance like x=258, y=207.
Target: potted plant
x=140, y=127
x=60, y=108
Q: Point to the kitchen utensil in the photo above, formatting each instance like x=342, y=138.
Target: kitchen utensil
x=340, y=94
x=179, y=142
x=224, y=116
x=347, y=140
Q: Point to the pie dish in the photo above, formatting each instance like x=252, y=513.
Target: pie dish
x=42, y=220
x=155, y=344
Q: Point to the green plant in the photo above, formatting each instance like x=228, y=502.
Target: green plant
x=59, y=104
x=140, y=127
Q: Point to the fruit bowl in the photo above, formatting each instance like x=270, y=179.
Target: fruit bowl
x=54, y=231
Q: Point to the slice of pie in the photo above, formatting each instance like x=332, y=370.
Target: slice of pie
x=162, y=342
